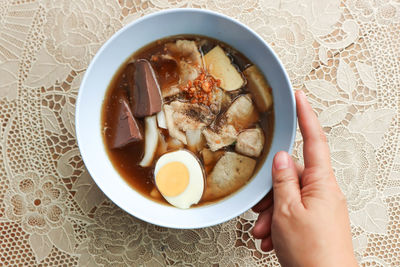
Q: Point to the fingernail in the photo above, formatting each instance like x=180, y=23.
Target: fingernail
x=281, y=160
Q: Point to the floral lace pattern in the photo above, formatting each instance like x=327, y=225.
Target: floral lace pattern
x=343, y=54
x=37, y=202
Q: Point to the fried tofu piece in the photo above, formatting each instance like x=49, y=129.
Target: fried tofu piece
x=219, y=65
x=250, y=142
x=241, y=113
x=221, y=137
x=230, y=173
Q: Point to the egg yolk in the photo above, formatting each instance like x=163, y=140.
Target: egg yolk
x=172, y=179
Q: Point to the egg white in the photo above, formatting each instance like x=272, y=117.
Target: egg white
x=194, y=191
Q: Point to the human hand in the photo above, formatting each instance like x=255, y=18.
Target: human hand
x=305, y=219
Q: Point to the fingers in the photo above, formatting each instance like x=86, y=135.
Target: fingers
x=266, y=244
x=299, y=169
x=262, y=227
x=315, y=149
x=264, y=203
x=285, y=180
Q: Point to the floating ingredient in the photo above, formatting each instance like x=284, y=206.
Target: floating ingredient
x=179, y=177
x=258, y=86
x=186, y=50
x=161, y=120
x=231, y=172
x=241, y=113
x=145, y=92
x=195, y=140
x=221, y=137
x=150, y=142
x=183, y=116
x=219, y=65
x=201, y=89
x=127, y=129
x=210, y=157
x=250, y=142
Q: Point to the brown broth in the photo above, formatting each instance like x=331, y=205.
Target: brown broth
x=125, y=160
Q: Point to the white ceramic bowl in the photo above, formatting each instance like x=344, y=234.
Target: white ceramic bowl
x=103, y=67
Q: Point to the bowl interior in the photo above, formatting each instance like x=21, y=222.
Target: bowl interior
x=102, y=69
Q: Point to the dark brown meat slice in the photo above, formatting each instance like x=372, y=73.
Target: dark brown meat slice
x=145, y=91
x=126, y=129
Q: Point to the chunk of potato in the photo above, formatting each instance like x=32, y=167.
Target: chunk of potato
x=259, y=88
x=220, y=66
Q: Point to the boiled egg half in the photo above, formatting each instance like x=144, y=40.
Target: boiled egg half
x=179, y=177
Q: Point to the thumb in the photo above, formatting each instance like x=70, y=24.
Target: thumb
x=285, y=180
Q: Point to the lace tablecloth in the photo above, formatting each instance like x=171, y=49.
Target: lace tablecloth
x=344, y=54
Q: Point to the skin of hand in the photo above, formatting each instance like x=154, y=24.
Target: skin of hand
x=305, y=218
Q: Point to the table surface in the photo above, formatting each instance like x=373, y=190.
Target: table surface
x=344, y=54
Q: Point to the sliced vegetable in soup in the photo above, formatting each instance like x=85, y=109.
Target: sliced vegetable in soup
x=188, y=120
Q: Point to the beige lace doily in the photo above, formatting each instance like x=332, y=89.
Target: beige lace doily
x=344, y=54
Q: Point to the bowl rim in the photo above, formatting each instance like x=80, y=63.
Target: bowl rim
x=211, y=221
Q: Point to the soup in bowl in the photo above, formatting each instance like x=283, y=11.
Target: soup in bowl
x=178, y=122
